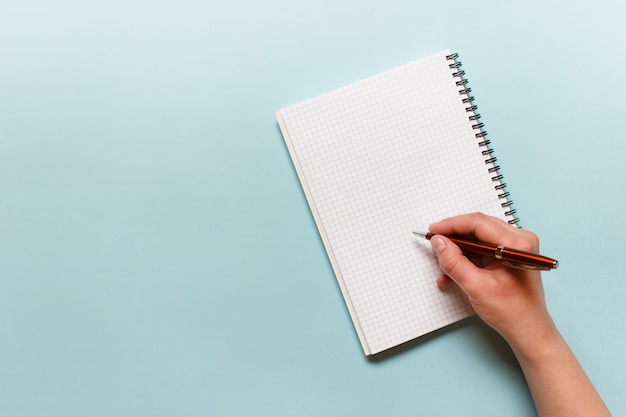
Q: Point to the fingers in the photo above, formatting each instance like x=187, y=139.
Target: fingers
x=444, y=281
x=453, y=264
x=487, y=229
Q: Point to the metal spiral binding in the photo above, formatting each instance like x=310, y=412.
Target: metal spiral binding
x=484, y=143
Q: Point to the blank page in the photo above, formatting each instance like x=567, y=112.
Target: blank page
x=377, y=160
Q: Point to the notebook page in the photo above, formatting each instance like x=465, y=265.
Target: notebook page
x=377, y=160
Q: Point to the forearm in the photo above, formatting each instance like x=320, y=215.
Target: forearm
x=557, y=382
x=512, y=302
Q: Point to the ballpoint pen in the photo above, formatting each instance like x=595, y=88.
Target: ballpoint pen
x=514, y=258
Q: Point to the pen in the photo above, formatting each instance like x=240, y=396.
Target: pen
x=510, y=257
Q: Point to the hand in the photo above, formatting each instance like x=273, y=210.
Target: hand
x=512, y=302
x=509, y=300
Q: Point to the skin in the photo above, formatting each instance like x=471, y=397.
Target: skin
x=512, y=302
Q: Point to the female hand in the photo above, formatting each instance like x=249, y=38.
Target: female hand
x=509, y=300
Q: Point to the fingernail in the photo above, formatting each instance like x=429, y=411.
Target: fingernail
x=438, y=244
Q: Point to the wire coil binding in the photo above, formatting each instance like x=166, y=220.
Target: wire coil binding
x=480, y=134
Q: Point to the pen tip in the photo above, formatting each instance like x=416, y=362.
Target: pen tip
x=420, y=234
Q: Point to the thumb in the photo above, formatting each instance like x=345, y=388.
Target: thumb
x=452, y=262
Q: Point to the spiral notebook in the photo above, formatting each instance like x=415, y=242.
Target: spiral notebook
x=379, y=159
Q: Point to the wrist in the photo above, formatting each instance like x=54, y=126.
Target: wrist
x=537, y=343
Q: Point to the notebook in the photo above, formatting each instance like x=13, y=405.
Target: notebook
x=379, y=159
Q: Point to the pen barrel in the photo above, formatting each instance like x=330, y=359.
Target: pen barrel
x=514, y=256
x=529, y=259
x=472, y=246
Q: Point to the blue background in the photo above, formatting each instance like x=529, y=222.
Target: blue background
x=158, y=258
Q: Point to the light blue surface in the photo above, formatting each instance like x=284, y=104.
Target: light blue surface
x=157, y=256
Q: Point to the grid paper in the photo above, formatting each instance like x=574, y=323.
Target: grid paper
x=379, y=159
